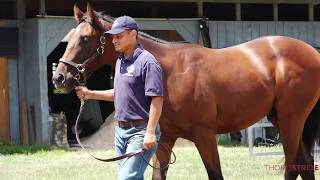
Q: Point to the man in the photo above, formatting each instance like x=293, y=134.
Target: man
x=138, y=98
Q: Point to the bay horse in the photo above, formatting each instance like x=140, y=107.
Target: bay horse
x=213, y=91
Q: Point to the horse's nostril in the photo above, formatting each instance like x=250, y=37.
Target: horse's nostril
x=61, y=78
x=58, y=79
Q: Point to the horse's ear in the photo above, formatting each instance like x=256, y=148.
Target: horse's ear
x=78, y=14
x=90, y=11
x=94, y=19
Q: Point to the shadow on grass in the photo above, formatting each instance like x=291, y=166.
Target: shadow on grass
x=9, y=149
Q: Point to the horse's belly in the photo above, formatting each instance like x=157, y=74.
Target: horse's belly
x=242, y=115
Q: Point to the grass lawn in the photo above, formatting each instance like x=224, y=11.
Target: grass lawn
x=18, y=162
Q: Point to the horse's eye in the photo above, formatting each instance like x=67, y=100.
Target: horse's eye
x=85, y=39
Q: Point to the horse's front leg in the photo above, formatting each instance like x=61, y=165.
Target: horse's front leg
x=161, y=159
x=206, y=144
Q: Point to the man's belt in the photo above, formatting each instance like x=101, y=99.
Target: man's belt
x=131, y=123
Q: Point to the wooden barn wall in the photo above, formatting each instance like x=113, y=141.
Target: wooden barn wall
x=41, y=36
x=224, y=33
x=4, y=101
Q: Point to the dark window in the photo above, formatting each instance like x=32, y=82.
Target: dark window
x=256, y=12
x=115, y=9
x=62, y=7
x=220, y=11
x=32, y=8
x=7, y=9
x=151, y=9
x=119, y=8
x=317, y=12
x=293, y=12
x=9, y=41
x=177, y=10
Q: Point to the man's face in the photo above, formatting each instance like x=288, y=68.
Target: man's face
x=124, y=40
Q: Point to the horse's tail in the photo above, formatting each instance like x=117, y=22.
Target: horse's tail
x=311, y=131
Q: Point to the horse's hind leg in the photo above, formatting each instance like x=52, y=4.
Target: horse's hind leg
x=206, y=144
x=162, y=157
x=306, y=160
x=290, y=135
x=291, y=117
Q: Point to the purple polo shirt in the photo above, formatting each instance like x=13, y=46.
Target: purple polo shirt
x=137, y=79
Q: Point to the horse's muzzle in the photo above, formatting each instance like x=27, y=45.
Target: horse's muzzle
x=58, y=80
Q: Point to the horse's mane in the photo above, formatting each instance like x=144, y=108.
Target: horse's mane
x=110, y=19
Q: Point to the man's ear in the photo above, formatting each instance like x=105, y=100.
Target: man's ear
x=135, y=33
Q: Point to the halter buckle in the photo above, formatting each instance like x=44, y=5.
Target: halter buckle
x=77, y=77
x=100, y=50
x=80, y=68
x=103, y=40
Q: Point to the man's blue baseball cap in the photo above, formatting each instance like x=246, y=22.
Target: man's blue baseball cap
x=123, y=23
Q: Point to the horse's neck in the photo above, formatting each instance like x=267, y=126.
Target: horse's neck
x=155, y=48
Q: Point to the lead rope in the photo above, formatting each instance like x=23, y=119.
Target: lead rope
x=128, y=155
x=166, y=166
x=100, y=159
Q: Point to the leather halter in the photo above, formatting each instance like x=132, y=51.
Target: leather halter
x=81, y=68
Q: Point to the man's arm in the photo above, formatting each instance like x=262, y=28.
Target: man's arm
x=154, y=115
x=84, y=93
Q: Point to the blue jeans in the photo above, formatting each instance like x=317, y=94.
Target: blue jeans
x=128, y=140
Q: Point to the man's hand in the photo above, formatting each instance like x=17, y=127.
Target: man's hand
x=83, y=93
x=149, y=140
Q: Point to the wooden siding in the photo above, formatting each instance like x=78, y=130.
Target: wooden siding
x=4, y=102
x=224, y=34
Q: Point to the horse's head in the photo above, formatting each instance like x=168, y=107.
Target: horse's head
x=88, y=49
